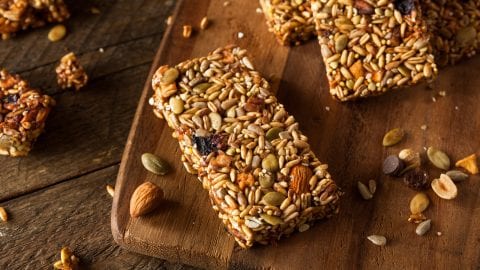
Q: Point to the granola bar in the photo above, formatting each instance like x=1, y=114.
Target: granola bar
x=23, y=113
x=455, y=28
x=370, y=47
x=261, y=175
x=70, y=74
x=16, y=15
x=290, y=20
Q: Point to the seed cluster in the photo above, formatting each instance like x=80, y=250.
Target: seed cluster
x=261, y=175
x=70, y=74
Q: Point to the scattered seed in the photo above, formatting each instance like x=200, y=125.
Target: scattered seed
x=204, y=23
x=372, y=186
x=273, y=198
x=392, y=165
x=416, y=179
x=393, y=137
x=438, y=158
x=423, y=227
x=259, y=11
x=439, y=233
x=457, y=176
x=266, y=180
x=442, y=93
x=57, y=33
x=3, y=214
x=327, y=108
x=155, y=164
x=187, y=31
x=469, y=163
x=270, y=163
x=366, y=194
x=444, y=187
x=419, y=203
x=378, y=240
x=110, y=190
x=101, y=50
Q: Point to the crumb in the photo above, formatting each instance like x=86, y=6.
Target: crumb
x=434, y=99
x=169, y=20
x=226, y=3
x=439, y=233
x=423, y=127
x=457, y=108
x=327, y=108
x=240, y=35
x=259, y=11
x=442, y=93
x=101, y=50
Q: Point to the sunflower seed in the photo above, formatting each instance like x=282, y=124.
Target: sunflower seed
x=457, y=176
x=372, y=186
x=378, y=240
x=423, y=227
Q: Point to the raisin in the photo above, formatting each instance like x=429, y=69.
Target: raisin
x=206, y=145
x=404, y=6
x=416, y=179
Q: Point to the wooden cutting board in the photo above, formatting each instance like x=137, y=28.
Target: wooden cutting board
x=347, y=136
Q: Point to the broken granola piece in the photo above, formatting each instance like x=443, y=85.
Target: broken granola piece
x=70, y=74
x=23, y=113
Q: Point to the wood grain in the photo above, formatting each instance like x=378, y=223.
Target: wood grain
x=346, y=136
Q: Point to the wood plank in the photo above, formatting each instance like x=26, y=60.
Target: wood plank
x=75, y=214
x=347, y=136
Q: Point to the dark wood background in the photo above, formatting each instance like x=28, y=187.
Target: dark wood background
x=56, y=196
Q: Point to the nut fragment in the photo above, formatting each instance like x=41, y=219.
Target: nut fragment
x=145, y=199
x=3, y=214
x=457, y=176
x=417, y=218
x=469, y=163
x=393, y=137
x=299, y=177
x=110, y=190
x=155, y=164
x=378, y=240
x=57, y=33
x=444, y=187
x=438, y=158
x=423, y=227
x=187, y=31
x=419, y=203
x=245, y=180
x=364, y=191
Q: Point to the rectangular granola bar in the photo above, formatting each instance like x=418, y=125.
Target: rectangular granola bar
x=370, y=47
x=455, y=28
x=23, y=113
x=290, y=20
x=16, y=15
x=249, y=153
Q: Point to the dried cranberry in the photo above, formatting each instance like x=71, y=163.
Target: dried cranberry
x=404, y=6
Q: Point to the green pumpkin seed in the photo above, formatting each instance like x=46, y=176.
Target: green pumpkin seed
x=273, y=198
x=273, y=133
x=201, y=87
x=266, y=180
x=378, y=240
x=177, y=105
x=270, y=163
x=341, y=42
x=457, y=176
x=272, y=220
x=438, y=158
x=155, y=164
x=170, y=76
x=393, y=137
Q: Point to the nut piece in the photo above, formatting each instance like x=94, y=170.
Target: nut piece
x=187, y=31
x=393, y=137
x=364, y=191
x=57, y=33
x=155, y=164
x=444, y=187
x=469, y=163
x=438, y=158
x=299, y=177
x=419, y=203
x=145, y=199
x=423, y=227
x=417, y=218
x=68, y=261
x=410, y=157
x=3, y=214
x=457, y=176
x=110, y=190
x=378, y=240
x=70, y=74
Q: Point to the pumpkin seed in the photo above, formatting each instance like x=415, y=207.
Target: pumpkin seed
x=57, y=33
x=155, y=164
x=466, y=36
x=457, y=176
x=270, y=163
x=341, y=42
x=170, y=76
x=272, y=220
x=266, y=180
x=273, y=198
x=201, y=87
x=444, y=187
x=372, y=186
x=364, y=191
x=177, y=105
x=419, y=203
x=393, y=137
x=378, y=240
x=438, y=158
x=215, y=120
x=273, y=133
x=423, y=227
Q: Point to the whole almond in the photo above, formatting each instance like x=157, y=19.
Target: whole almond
x=299, y=177
x=145, y=199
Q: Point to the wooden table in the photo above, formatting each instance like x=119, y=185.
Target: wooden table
x=56, y=196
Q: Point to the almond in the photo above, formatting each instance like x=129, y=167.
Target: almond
x=299, y=177
x=145, y=199
x=469, y=163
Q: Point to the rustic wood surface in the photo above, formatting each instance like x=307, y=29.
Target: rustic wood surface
x=56, y=196
x=346, y=136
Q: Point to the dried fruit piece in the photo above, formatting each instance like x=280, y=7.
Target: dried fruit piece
x=221, y=161
x=366, y=194
x=393, y=137
x=378, y=240
x=392, y=166
x=404, y=6
x=245, y=180
x=299, y=177
x=145, y=199
x=3, y=214
x=469, y=163
x=438, y=158
x=444, y=187
x=457, y=176
x=423, y=227
x=416, y=179
x=419, y=203
x=363, y=7
x=207, y=144
x=155, y=164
